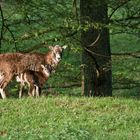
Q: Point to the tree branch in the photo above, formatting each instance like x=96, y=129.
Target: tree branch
x=66, y=85
x=48, y=40
x=129, y=54
x=29, y=36
x=125, y=19
x=115, y=9
x=2, y=27
x=12, y=35
x=74, y=10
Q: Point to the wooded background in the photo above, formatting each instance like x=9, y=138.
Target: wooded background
x=113, y=25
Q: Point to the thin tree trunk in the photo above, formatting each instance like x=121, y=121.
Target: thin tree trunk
x=96, y=58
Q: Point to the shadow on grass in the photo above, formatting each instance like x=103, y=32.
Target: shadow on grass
x=127, y=93
x=126, y=88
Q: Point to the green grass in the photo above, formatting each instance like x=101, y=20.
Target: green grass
x=70, y=118
x=73, y=118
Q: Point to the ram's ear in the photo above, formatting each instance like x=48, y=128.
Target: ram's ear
x=51, y=47
x=64, y=47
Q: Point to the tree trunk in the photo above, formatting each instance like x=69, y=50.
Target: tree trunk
x=96, y=58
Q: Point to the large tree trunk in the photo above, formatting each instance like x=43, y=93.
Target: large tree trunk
x=96, y=59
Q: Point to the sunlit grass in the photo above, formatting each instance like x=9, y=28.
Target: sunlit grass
x=70, y=118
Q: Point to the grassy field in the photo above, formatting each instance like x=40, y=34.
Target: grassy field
x=70, y=118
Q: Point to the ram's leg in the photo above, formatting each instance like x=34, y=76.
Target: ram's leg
x=31, y=91
x=4, y=83
x=21, y=90
x=3, y=94
x=36, y=91
x=40, y=90
x=28, y=80
x=20, y=78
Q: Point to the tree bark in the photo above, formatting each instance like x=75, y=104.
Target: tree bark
x=96, y=59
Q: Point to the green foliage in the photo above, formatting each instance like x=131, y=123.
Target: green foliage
x=38, y=24
x=125, y=67
x=70, y=118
